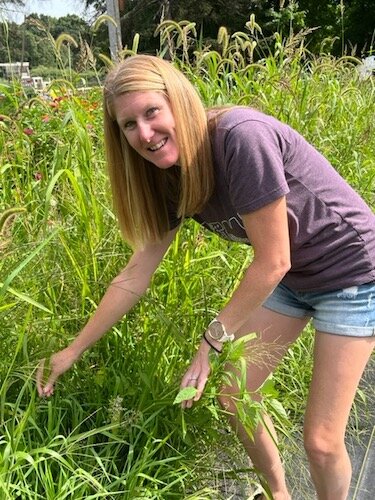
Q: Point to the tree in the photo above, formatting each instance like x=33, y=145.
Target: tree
x=19, y=3
x=29, y=40
x=143, y=16
x=359, y=25
x=11, y=52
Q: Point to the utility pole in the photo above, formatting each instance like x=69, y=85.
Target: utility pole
x=114, y=32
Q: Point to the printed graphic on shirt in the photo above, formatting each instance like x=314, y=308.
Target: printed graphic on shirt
x=229, y=229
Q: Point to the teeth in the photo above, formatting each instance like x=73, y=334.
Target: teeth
x=158, y=145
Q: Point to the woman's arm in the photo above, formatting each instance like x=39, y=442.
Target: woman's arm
x=267, y=230
x=122, y=294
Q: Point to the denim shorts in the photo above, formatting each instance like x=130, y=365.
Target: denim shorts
x=349, y=311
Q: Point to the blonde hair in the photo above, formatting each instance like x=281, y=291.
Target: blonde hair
x=141, y=191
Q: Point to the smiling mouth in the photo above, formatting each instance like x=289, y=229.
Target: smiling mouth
x=158, y=146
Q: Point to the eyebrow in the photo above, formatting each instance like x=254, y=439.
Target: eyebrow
x=145, y=108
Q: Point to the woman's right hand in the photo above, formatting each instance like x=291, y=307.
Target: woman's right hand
x=60, y=362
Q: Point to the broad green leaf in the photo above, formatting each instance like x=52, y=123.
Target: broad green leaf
x=185, y=394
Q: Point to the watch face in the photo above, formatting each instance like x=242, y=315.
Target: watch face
x=216, y=330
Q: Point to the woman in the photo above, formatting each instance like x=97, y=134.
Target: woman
x=249, y=178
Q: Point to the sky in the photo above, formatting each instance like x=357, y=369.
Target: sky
x=55, y=8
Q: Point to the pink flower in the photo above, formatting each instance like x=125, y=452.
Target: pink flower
x=28, y=131
x=38, y=176
x=46, y=118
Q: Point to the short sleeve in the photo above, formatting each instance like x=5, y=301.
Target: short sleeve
x=254, y=161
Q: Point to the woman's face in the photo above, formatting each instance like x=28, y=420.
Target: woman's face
x=148, y=124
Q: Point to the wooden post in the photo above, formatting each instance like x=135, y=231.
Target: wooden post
x=114, y=32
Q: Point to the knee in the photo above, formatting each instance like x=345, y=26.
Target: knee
x=230, y=397
x=226, y=401
x=323, y=447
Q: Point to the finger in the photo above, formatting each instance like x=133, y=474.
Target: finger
x=183, y=382
x=48, y=390
x=187, y=379
x=49, y=387
x=200, y=388
x=188, y=403
x=190, y=382
x=39, y=377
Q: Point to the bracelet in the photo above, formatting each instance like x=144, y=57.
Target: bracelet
x=211, y=345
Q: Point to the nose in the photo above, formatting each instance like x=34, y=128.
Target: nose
x=145, y=132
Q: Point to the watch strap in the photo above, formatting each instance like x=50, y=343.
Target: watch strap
x=225, y=336
x=211, y=344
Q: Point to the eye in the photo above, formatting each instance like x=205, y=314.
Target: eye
x=128, y=125
x=152, y=111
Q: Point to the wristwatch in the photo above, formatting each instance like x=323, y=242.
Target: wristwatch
x=216, y=331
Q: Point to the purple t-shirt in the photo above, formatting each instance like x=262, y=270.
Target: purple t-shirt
x=258, y=159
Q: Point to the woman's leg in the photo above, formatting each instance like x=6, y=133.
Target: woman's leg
x=275, y=334
x=338, y=366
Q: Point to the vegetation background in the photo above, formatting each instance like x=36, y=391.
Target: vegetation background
x=338, y=26
x=114, y=428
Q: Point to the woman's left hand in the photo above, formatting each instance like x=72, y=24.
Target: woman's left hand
x=197, y=374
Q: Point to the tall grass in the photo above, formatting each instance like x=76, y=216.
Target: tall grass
x=111, y=430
